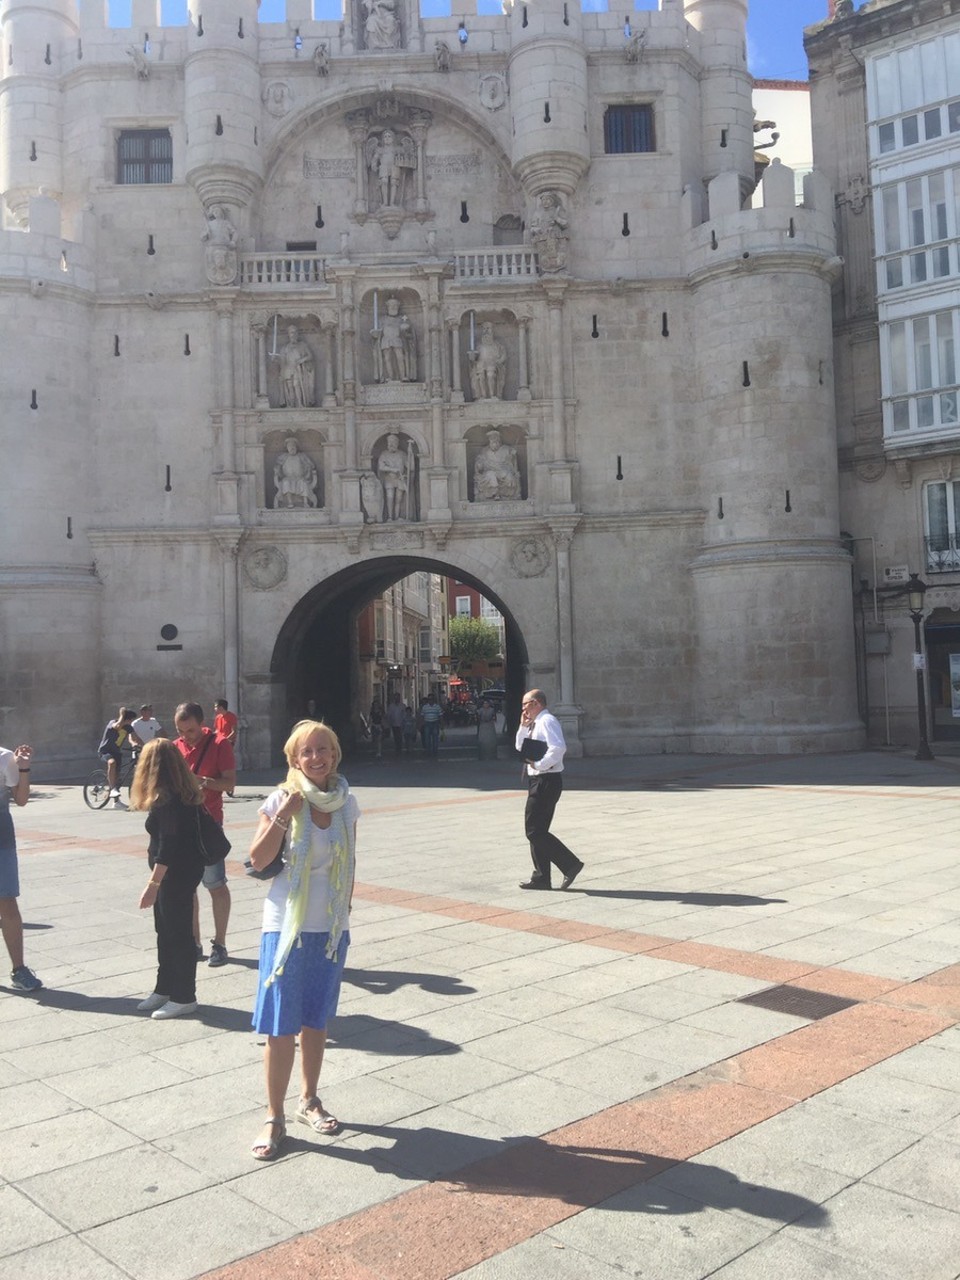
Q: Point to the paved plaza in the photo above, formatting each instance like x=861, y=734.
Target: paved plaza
x=565, y=1085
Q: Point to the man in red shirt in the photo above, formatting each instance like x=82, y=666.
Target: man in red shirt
x=211, y=759
x=225, y=725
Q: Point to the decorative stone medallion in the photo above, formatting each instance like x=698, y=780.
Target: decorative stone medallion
x=265, y=568
x=529, y=557
x=493, y=92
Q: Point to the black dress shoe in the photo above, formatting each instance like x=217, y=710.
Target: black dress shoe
x=568, y=880
x=535, y=884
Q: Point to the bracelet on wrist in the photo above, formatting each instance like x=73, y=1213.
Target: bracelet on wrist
x=282, y=823
x=24, y=771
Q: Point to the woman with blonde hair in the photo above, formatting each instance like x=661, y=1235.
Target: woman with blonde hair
x=171, y=796
x=312, y=818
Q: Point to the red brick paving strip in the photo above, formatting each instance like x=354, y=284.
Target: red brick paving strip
x=437, y=1230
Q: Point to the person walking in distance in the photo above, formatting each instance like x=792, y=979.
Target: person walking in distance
x=225, y=725
x=431, y=713
x=211, y=759
x=395, y=721
x=544, y=771
x=15, y=788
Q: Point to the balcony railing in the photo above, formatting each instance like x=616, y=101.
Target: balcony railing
x=496, y=264
x=943, y=553
x=274, y=270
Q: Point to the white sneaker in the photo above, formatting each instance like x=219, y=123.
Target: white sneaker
x=118, y=804
x=153, y=1001
x=173, y=1010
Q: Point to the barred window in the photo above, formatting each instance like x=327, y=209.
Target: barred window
x=628, y=128
x=144, y=156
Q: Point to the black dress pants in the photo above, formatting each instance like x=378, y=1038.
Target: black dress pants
x=176, y=950
x=543, y=792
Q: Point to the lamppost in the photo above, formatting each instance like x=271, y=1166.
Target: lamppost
x=915, y=591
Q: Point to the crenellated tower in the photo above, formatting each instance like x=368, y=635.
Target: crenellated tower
x=548, y=95
x=33, y=40
x=726, y=86
x=222, y=102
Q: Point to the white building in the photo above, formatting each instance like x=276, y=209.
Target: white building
x=237, y=259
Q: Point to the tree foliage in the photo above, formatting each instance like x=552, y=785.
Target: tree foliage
x=472, y=638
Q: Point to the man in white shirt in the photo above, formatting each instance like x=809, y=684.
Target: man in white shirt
x=544, y=788
x=146, y=727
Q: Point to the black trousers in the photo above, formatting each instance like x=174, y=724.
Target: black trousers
x=176, y=950
x=543, y=793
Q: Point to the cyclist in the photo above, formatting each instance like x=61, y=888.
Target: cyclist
x=116, y=735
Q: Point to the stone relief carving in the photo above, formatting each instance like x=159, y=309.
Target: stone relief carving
x=381, y=25
x=496, y=475
x=529, y=557
x=220, y=256
x=321, y=59
x=297, y=371
x=858, y=193
x=394, y=345
x=389, y=142
x=141, y=66
x=466, y=165
x=265, y=568
x=488, y=365
x=441, y=55
x=633, y=49
x=294, y=478
x=395, y=471
x=277, y=98
x=322, y=167
x=493, y=92
x=371, y=498
x=548, y=231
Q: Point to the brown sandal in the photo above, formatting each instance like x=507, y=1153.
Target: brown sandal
x=311, y=1113
x=270, y=1149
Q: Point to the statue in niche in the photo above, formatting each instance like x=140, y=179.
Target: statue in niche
x=220, y=237
x=394, y=346
x=441, y=55
x=395, y=472
x=321, y=59
x=371, y=498
x=381, y=27
x=296, y=372
x=389, y=158
x=141, y=66
x=294, y=478
x=488, y=366
x=496, y=475
x=548, y=231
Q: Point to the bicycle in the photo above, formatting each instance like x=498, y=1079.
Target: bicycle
x=96, y=789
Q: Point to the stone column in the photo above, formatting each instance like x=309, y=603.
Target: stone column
x=418, y=128
x=229, y=554
x=566, y=708
x=357, y=124
x=329, y=328
x=523, y=389
x=456, y=391
x=225, y=378
x=557, y=447
x=260, y=338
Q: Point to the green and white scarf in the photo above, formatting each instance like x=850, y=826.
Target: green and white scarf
x=299, y=859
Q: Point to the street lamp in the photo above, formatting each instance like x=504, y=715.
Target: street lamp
x=915, y=591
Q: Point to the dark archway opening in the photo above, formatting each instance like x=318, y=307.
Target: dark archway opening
x=315, y=659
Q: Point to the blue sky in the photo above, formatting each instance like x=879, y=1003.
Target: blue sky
x=774, y=30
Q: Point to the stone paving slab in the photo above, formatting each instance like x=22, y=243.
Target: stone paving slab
x=562, y=1086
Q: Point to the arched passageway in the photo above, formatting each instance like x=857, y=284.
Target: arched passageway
x=316, y=658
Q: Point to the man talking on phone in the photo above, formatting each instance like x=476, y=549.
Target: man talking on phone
x=542, y=747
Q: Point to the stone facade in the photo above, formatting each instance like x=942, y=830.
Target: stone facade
x=271, y=289
x=885, y=97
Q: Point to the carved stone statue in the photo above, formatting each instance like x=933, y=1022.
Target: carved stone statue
x=140, y=64
x=371, y=498
x=548, y=231
x=394, y=346
x=295, y=478
x=381, y=27
x=220, y=238
x=496, y=476
x=488, y=366
x=441, y=55
x=395, y=471
x=389, y=158
x=321, y=59
x=296, y=372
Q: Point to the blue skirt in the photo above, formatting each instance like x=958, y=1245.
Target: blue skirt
x=306, y=993
x=9, y=879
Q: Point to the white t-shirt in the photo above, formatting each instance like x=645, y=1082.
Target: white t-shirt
x=318, y=898
x=146, y=730
x=9, y=769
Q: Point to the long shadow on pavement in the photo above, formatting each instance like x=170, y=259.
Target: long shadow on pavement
x=687, y=899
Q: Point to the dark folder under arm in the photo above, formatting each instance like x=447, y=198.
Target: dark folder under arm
x=532, y=749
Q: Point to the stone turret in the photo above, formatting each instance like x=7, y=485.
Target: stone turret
x=548, y=95
x=725, y=88
x=222, y=102
x=34, y=36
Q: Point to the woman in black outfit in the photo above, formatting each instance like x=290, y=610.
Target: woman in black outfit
x=165, y=787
